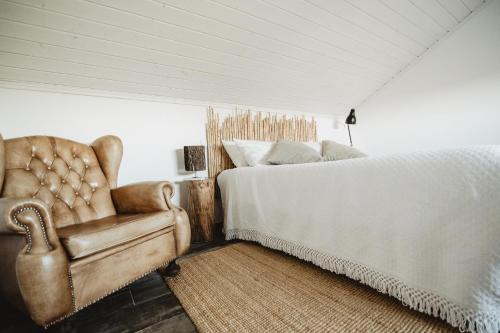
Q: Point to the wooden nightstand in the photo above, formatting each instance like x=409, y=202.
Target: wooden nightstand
x=201, y=194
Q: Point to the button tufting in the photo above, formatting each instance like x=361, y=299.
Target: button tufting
x=33, y=155
x=42, y=183
x=76, y=193
x=27, y=169
x=63, y=181
x=49, y=168
x=34, y=197
x=82, y=179
x=86, y=166
x=93, y=189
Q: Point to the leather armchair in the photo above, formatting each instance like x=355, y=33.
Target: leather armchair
x=68, y=235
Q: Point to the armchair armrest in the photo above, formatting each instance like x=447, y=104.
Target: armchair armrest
x=145, y=197
x=30, y=217
x=41, y=268
x=148, y=197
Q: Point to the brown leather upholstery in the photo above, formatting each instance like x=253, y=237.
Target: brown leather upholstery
x=10, y=246
x=109, y=151
x=57, y=194
x=2, y=162
x=64, y=174
x=143, y=197
x=136, y=261
x=182, y=230
x=41, y=266
x=84, y=239
x=152, y=196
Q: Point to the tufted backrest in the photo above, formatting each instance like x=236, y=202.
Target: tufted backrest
x=66, y=175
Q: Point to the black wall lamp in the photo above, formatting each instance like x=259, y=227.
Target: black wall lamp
x=351, y=120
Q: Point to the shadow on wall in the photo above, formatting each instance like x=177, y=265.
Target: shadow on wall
x=183, y=194
x=182, y=185
x=180, y=163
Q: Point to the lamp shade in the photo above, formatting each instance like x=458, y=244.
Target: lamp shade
x=194, y=158
x=351, y=118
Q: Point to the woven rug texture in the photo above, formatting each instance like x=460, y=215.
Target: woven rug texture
x=245, y=287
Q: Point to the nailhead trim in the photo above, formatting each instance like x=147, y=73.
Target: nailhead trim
x=73, y=298
x=26, y=228
x=75, y=310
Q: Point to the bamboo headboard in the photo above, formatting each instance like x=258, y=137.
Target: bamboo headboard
x=248, y=125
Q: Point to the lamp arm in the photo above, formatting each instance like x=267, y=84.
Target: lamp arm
x=349, y=130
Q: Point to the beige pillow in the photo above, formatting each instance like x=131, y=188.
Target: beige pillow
x=287, y=152
x=333, y=151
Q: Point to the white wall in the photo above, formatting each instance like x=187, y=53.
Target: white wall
x=153, y=133
x=451, y=97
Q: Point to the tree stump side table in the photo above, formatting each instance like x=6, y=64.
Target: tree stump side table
x=201, y=209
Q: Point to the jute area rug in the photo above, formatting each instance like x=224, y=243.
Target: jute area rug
x=247, y=288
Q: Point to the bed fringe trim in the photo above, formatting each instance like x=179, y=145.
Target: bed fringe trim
x=426, y=302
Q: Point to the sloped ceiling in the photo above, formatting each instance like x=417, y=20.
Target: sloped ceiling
x=308, y=55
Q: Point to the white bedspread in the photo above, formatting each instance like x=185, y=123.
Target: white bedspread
x=423, y=227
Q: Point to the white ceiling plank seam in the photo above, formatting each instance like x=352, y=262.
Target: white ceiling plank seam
x=318, y=56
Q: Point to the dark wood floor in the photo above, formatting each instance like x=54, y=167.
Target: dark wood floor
x=145, y=306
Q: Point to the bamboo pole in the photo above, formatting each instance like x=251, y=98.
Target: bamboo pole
x=248, y=125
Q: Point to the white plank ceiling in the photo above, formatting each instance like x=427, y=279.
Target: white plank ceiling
x=309, y=55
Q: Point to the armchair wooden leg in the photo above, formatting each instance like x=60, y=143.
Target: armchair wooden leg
x=171, y=270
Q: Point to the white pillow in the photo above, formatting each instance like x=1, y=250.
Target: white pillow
x=255, y=152
x=289, y=152
x=333, y=151
x=234, y=153
x=315, y=145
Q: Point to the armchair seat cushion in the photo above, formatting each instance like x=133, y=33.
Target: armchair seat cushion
x=84, y=239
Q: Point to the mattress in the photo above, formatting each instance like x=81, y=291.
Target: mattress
x=423, y=227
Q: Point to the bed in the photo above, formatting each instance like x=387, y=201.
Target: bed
x=422, y=227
